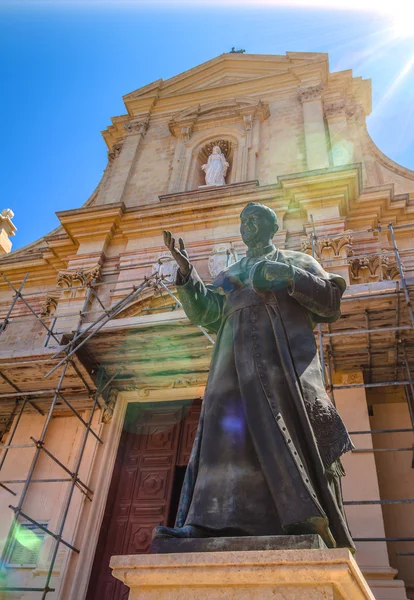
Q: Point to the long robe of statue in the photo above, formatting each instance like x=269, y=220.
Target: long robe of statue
x=266, y=453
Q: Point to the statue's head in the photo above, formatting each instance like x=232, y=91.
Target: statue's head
x=258, y=224
x=216, y=150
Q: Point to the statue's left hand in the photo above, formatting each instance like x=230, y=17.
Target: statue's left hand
x=277, y=274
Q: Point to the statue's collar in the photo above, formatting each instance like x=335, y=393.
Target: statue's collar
x=261, y=251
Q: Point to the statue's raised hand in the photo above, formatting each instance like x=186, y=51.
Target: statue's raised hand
x=179, y=254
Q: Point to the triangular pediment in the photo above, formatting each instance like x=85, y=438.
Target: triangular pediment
x=228, y=70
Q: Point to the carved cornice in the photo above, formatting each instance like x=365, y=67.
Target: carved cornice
x=310, y=93
x=79, y=278
x=184, y=123
x=138, y=126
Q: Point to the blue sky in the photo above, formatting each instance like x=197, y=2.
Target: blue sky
x=66, y=65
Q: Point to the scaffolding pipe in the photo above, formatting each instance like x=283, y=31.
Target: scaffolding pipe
x=367, y=450
x=16, y=297
x=114, y=311
x=368, y=385
x=372, y=431
x=385, y=539
x=50, y=480
x=366, y=502
x=320, y=335
x=71, y=490
x=39, y=445
x=11, y=436
x=402, y=274
x=73, y=476
x=49, y=392
x=75, y=412
x=14, y=525
x=410, y=385
x=364, y=331
x=43, y=528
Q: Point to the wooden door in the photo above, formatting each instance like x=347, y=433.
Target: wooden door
x=155, y=439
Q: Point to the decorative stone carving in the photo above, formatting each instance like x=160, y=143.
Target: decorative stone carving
x=186, y=133
x=7, y=213
x=334, y=109
x=116, y=150
x=138, y=126
x=310, y=93
x=248, y=122
x=373, y=268
x=216, y=167
x=329, y=247
x=223, y=256
x=181, y=382
x=165, y=266
x=110, y=402
x=78, y=278
x=48, y=306
x=390, y=268
x=7, y=230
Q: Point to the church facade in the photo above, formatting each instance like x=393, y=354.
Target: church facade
x=101, y=373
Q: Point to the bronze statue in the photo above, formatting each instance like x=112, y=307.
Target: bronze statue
x=265, y=459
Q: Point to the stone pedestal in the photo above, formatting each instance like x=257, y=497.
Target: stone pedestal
x=245, y=575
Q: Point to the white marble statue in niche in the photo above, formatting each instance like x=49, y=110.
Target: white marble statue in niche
x=216, y=167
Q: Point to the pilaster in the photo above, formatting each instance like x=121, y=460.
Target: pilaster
x=122, y=158
x=361, y=484
x=315, y=135
x=340, y=145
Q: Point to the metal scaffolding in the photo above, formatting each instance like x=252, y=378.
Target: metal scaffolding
x=67, y=353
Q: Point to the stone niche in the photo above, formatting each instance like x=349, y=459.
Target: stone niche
x=233, y=124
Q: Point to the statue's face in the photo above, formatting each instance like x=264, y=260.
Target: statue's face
x=216, y=150
x=254, y=226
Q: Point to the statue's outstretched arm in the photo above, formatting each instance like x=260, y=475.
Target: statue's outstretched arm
x=201, y=305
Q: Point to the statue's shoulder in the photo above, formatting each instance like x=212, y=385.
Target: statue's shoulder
x=310, y=264
x=300, y=259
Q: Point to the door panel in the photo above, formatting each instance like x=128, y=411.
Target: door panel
x=140, y=491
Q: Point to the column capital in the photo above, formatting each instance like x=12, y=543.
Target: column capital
x=310, y=93
x=334, y=108
x=137, y=126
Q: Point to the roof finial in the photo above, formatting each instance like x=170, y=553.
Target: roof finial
x=234, y=51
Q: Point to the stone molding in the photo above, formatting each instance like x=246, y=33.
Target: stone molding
x=198, y=117
x=266, y=574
